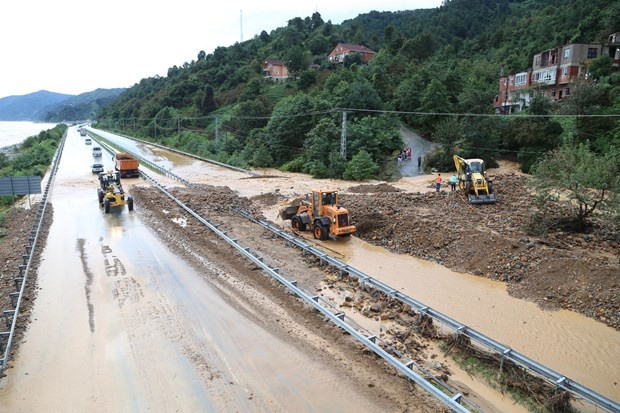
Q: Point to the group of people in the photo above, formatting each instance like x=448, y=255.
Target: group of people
x=404, y=155
x=453, y=181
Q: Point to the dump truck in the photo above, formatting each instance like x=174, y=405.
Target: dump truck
x=320, y=213
x=126, y=165
x=473, y=179
x=110, y=192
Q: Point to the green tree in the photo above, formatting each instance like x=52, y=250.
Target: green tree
x=592, y=181
x=290, y=122
x=361, y=167
x=433, y=100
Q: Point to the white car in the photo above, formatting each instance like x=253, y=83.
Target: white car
x=96, y=151
x=97, y=167
x=87, y=141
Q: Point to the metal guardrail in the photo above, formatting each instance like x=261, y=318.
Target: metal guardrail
x=452, y=401
x=504, y=351
x=28, y=258
x=191, y=155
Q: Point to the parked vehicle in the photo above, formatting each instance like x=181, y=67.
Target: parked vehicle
x=97, y=167
x=126, y=164
x=88, y=141
x=96, y=151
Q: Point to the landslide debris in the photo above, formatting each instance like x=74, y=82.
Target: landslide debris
x=576, y=271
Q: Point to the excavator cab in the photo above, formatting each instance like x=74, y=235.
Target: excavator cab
x=473, y=180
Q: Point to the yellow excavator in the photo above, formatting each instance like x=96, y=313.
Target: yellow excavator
x=474, y=181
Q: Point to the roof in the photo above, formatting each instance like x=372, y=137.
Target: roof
x=275, y=62
x=355, y=47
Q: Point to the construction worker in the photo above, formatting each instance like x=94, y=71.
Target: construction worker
x=438, y=183
x=453, y=180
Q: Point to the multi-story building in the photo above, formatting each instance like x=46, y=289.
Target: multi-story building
x=553, y=73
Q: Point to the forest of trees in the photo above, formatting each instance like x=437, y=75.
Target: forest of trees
x=435, y=61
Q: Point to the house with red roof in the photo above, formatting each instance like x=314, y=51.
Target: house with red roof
x=342, y=50
x=275, y=69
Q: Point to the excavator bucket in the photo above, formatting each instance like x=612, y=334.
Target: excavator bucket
x=482, y=199
x=289, y=212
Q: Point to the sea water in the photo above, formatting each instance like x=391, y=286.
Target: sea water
x=12, y=133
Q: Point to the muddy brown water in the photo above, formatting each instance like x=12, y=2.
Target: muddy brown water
x=122, y=324
x=574, y=345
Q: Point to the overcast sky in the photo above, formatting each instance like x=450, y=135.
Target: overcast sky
x=75, y=46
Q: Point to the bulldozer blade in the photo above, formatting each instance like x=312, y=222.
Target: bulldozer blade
x=288, y=212
x=482, y=199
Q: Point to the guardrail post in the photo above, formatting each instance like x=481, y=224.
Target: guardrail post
x=13, y=297
x=4, y=335
x=8, y=314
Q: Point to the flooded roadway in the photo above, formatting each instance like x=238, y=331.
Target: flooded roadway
x=574, y=345
x=122, y=324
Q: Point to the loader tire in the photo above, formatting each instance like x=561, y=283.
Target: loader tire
x=100, y=195
x=297, y=224
x=130, y=203
x=106, y=206
x=320, y=232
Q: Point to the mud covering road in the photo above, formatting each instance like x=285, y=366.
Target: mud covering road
x=579, y=272
x=139, y=312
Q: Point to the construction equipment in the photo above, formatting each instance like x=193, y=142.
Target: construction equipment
x=111, y=192
x=474, y=181
x=322, y=214
x=126, y=164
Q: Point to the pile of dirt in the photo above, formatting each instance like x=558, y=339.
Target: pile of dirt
x=576, y=271
x=369, y=188
x=13, y=242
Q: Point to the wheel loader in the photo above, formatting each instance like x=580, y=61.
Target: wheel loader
x=110, y=193
x=474, y=181
x=321, y=214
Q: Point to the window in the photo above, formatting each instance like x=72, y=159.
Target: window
x=537, y=60
x=565, y=71
x=521, y=79
x=592, y=52
x=566, y=53
x=553, y=93
x=567, y=91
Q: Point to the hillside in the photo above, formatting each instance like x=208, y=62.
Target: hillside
x=83, y=106
x=444, y=60
x=28, y=107
x=56, y=107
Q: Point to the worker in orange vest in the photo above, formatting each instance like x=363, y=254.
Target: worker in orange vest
x=438, y=183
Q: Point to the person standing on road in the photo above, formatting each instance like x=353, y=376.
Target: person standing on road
x=438, y=183
x=453, y=180
x=419, y=162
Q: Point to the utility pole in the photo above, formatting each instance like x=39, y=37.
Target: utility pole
x=179, y=126
x=343, y=139
x=217, y=129
x=241, y=25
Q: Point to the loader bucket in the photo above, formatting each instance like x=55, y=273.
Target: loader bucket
x=482, y=199
x=289, y=212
